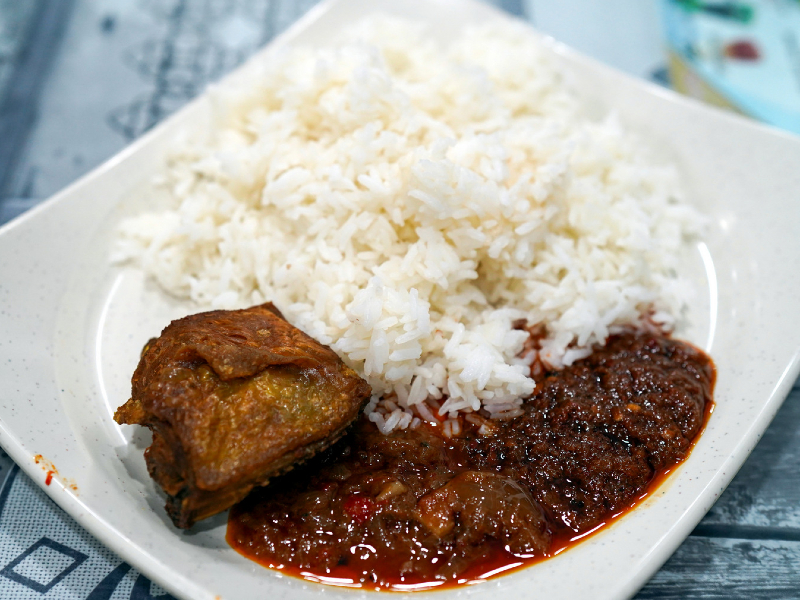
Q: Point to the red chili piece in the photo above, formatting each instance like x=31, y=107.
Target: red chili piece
x=360, y=508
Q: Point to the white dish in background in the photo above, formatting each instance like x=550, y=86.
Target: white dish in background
x=72, y=327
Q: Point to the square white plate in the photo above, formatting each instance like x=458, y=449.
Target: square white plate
x=71, y=327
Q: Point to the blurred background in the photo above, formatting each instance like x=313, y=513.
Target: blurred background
x=80, y=79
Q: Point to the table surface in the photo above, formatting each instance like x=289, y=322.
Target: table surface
x=79, y=79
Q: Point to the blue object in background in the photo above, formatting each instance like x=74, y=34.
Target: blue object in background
x=740, y=55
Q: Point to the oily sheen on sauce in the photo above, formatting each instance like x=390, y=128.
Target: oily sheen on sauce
x=414, y=510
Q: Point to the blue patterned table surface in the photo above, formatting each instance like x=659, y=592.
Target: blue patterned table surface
x=80, y=78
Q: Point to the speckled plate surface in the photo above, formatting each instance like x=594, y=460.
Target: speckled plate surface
x=71, y=327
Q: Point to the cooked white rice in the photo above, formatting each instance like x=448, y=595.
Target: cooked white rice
x=406, y=203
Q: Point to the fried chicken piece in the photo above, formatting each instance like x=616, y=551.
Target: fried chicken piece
x=234, y=398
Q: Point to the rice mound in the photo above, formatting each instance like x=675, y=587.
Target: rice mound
x=406, y=204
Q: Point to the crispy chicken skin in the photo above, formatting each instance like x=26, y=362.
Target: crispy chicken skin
x=234, y=398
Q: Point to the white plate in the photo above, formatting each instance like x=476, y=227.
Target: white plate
x=71, y=327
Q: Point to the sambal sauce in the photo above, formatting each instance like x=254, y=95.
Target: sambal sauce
x=417, y=510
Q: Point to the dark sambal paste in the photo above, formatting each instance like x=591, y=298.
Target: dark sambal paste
x=417, y=510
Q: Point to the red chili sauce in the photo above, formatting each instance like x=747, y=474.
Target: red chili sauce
x=417, y=510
